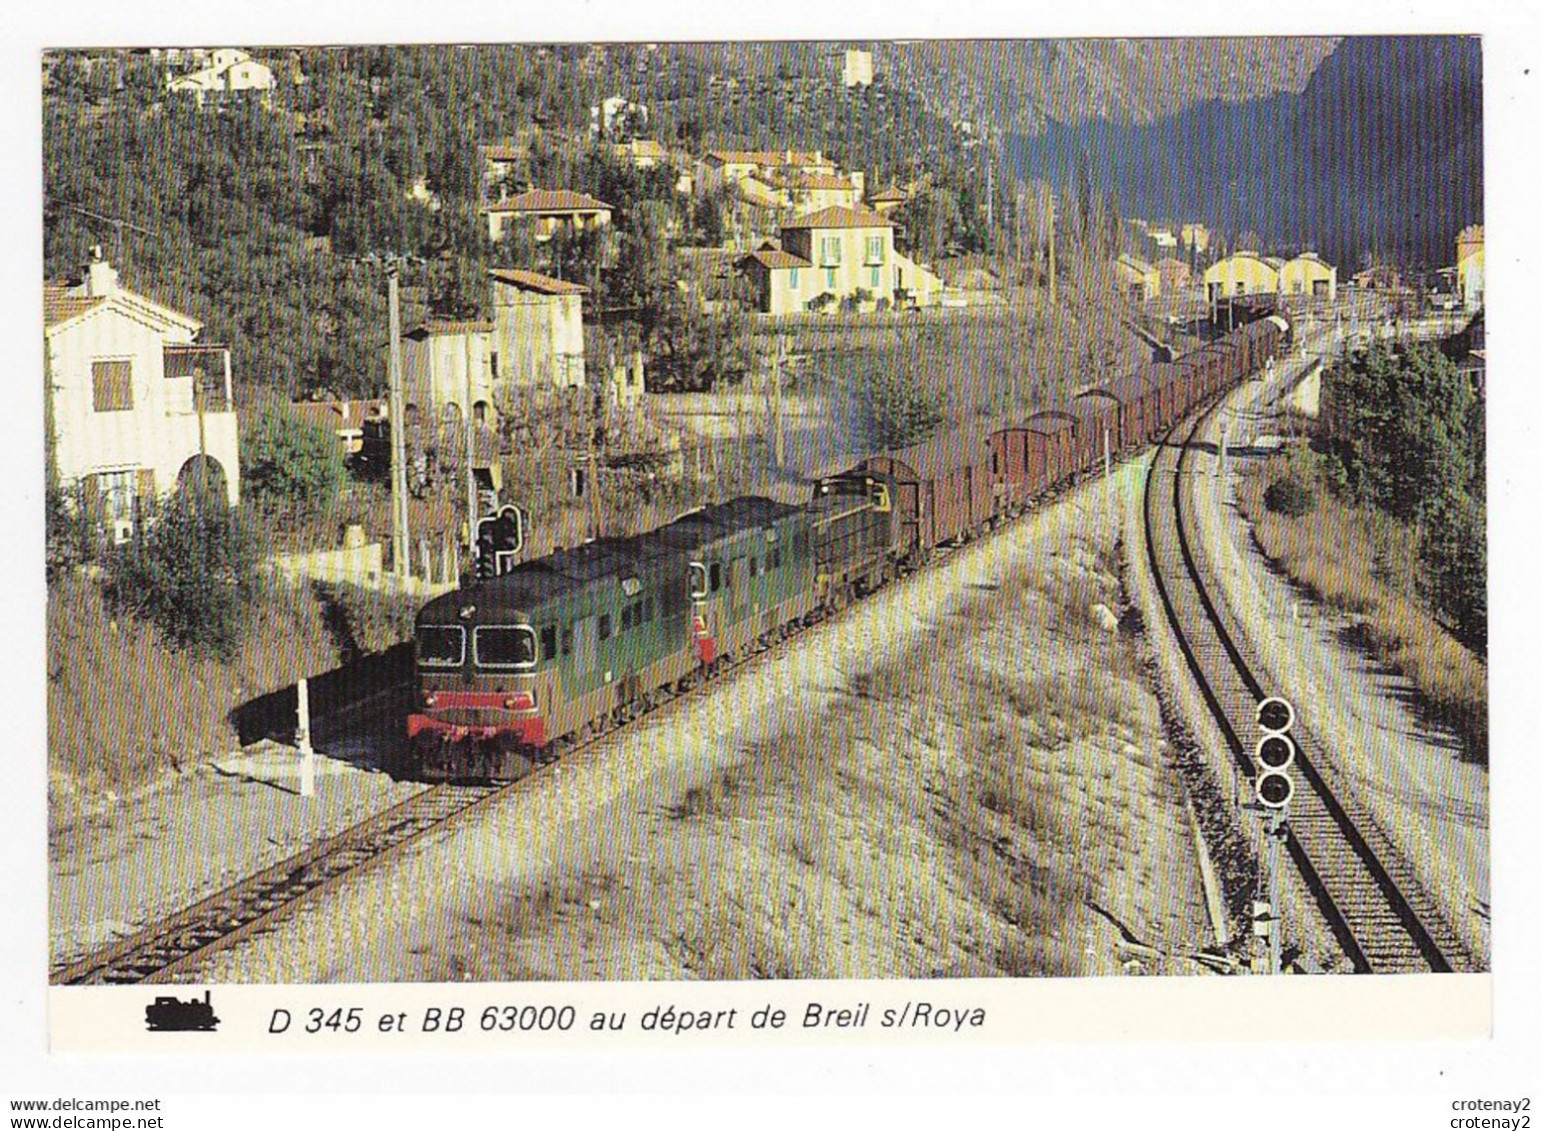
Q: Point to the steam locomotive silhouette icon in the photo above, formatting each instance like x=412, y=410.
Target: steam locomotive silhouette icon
x=167, y=1014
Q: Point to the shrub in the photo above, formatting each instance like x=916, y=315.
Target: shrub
x=1290, y=497
x=290, y=464
x=191, y=571
x=894, y=411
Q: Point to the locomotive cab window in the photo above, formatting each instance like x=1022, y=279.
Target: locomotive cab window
x=548, y=643
x=716, y=576
x=511, y=646
x=441, y=645
x=567, y=641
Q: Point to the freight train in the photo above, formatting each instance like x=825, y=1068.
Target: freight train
x=513, y=669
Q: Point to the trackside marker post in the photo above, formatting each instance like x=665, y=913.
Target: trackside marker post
x=302, y=734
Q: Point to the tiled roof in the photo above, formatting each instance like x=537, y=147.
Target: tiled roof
x=648, y=148
x=437, y=326
x=60, y=306
x=501, y=153
x=887, y=195
x=530, y=281
x=775, y=260
x=1134, y=264
x=839, y=217
x=822, y=181
x=550, y=200
x=766, y=157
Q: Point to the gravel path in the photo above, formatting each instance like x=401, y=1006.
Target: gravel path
x=1429, y=800
x=114, y=871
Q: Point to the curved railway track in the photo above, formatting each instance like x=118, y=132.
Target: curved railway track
x=1367, y=893
x=171, y=946
x=175, y=945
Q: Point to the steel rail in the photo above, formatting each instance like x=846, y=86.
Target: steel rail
x=1367, y=893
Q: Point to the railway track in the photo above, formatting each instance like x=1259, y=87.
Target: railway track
x=1368, y=895
x=165, y=949
x=176, y=945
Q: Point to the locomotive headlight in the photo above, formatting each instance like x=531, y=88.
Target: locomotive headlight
x=520, y=701
x=430, y=700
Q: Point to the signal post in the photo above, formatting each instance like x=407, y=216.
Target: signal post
x=1273, y=788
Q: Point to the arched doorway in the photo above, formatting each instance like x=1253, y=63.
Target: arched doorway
x=202, y=478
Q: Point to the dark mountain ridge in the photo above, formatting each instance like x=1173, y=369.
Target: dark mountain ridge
x=1379, y=157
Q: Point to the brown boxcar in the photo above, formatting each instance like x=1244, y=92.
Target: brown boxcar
x=1097, y=427
x=1028, y=457
x=943, y=490
x=1050, y=440
x=1010, y=467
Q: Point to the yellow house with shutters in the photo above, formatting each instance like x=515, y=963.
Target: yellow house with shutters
x=1244, y=273
x=834, y=256
x=137, y=405
x=1308, y=274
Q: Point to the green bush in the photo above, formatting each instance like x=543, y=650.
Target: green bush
x=894, y=411
x=191, y=572
x=1290, y=497
x=290, y=464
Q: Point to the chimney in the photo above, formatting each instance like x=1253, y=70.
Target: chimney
x=101, y=278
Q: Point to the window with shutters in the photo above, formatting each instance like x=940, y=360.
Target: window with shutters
x=112, y=386
x=116, y=490
x=829, y=250
x=874, y=249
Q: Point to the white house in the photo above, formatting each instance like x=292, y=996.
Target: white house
x=138, y=405
x=535, y=338
x=447, y=366
x=228, y=69
x=537, y=329
x=857, y=70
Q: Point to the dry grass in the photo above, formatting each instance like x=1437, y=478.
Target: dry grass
x=1360, y=562
x=942, y=817
x=123, y=707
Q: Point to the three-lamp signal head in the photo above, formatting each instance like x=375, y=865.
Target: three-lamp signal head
x=1274, y=753
x=499, y=537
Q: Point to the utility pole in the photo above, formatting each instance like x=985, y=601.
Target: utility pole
x=469, y=430
x=990, y=198
x=400, y=542
x=203, y=447
x=1053, y=267
x=780, y=434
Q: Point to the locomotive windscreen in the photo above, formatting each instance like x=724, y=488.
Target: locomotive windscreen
x=499, y=647
x=441, y=645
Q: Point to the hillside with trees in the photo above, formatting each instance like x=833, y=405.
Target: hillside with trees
x=271, y=224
